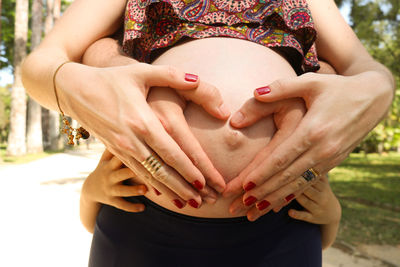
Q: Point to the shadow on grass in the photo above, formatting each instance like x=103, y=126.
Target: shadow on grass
x=369, y=191
x=25, y=158
x=368, y=225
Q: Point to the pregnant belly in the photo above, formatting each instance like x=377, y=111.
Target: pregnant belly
x=236, y=67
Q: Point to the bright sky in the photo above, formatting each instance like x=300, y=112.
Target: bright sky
x=6, y=76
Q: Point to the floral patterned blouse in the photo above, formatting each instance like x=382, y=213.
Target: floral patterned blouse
x=154, y=24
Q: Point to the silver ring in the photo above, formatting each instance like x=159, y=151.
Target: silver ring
x=310, y=174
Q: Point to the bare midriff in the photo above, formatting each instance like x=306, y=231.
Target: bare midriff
x=236, y=67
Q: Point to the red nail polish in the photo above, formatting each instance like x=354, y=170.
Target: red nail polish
x=191, y=77
x=198, y=185
x=263, y=90
x=250, y=201
x=157, y=192
x=289, y=197
x=263, y=205
x=249, y=186
x=193, y=203
x=178, y=203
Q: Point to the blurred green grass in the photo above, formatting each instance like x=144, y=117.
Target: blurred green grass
x=22, y=159
x=368, y=188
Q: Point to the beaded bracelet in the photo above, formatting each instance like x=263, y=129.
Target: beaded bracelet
x=67, y=128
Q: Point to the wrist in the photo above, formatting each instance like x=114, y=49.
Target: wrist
x=70, y=83
x=381, y=86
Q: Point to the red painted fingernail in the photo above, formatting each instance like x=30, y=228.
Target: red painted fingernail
x=263, y=90
x=249, y=186
x=178, y=203
x=250, y=200
x=193, y=203
x=191, y=77
x=263, y=205
x=157, y=192
x=198, y=185
x=289, y=197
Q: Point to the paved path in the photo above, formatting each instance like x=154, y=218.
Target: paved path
x=39, y=222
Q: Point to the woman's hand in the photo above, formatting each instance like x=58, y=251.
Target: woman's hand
x=111, y=104
x=340, y=112
x=169, y=107
x=287, y=115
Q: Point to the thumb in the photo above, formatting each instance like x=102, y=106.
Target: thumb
x=300, y=86
x=209, y=97
x=234, y=187
x=251, y=112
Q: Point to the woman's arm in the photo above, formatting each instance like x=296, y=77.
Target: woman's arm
x=342, y=109
x=111, y=102
x=71, y=36
x=339, y=46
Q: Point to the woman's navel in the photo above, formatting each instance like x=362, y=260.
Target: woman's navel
x=233, y=139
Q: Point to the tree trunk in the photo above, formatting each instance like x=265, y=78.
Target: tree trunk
x=16, y=139
x=49, y=16
x=53, y=116
x=34, y=131
x=56, y=10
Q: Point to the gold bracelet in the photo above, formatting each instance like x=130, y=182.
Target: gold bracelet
x=67, y=128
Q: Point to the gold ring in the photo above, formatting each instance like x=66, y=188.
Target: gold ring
x=152, y=164
x=310, y=174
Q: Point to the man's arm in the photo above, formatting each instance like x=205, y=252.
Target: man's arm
x=106, y=52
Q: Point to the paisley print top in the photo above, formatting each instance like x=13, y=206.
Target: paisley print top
x=154, y=24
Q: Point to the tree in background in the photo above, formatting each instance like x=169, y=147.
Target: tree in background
x=34, y=125
x=51, y=117
x=16, y=138
x=377, y=24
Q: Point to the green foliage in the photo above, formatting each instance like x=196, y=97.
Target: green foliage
x=377, y=24
x=5, y=107
x=7, y=33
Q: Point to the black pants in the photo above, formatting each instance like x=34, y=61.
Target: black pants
x=159, y=237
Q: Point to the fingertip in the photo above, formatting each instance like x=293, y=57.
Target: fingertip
x=262, y=91
x=221, y=112
x=192, y=79
x=292, y=213
x=143, y=189
x=237, y=119
x=210, y=200
x=220, y=187
x=228, y=191
x=251, y=217
x=224, y=111
x=140, y=208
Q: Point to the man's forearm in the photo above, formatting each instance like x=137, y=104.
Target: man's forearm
x=106, y=52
